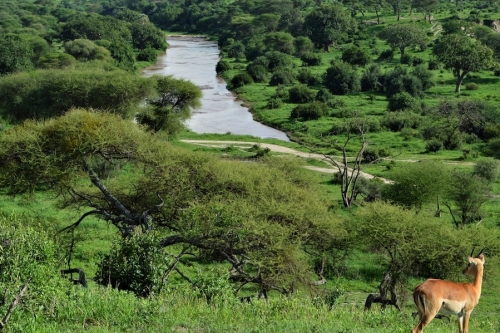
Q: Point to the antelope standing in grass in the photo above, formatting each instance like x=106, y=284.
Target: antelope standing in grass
x=446, y=297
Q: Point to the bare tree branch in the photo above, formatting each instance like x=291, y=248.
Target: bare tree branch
x=13, y=304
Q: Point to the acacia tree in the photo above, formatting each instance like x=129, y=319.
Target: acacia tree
x=460, y=54
x=220, y=210
x=328, y=24
x=401, y=36
x=171, y=106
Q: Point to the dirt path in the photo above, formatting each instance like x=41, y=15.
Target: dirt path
x=280, y=149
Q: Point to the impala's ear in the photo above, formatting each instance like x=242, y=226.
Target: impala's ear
x=481, y=257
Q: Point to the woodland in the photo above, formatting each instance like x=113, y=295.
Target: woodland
x=111, y=222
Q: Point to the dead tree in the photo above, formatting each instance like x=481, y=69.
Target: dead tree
x=13, y=305
x=349, y=171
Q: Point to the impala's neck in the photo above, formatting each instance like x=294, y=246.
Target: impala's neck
x=478, y=280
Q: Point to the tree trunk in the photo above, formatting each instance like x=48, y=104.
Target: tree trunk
x=378, y=16
x=402, y=50
x=460, y=78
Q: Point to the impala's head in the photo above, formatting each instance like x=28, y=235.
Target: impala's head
x=473, y=263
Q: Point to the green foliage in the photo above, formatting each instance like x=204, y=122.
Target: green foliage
x=136, y=263
x=372, y=78
x=148, y=54
x=418, y=183
x=28, y=251
x=301, y=94
x=462, y=55
x=468, y=192
x=401, y=36
x=146, y=35
x=397, y=121
x=281, y=78
x=311, y=59
x=56, y=60
x=403, y=101
x=170, y=106
x=328, y=24
x=84, y=49
x=222, y=66
x=342, y=79
x=15, y=55
x=356, y=56
x=257, y=72
x=314, y=110
x=240, y=80
x=306, y=76
x=280, y=41
x=303, y=45
x=487, y=168
x=47, y=93
x=94, y=27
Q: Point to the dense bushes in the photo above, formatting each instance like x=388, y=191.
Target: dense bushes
x=301, y=94
x=356, y=56
x=136, y=264
x=240, y=80
x=342, y=79
x=312, y=111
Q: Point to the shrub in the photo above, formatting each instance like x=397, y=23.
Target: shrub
x=279, y=59
x=281, y=92
x=274, y=103
x=311, y=111
x=305, y=76
x=433, y=145
x=311, y=59
x=301, y=94
x=240, y=80
x=324, y=95
x=148, y=54
x=406, y=59
x=355, y=56
x=372, y=78
x=434, y=64
x=396, y=121
x=402, y=101
x=487, y=168
x=222, y=66
x=417, y=61
x=471, y=86
x=398, y=80
x=386, y=55
x=342, y=79
x=135, y=264
x=492, y=148
x=257, y=72
x=281, y=77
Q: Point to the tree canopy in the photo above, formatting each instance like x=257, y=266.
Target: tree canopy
x=462, y=55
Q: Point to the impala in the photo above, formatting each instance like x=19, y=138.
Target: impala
x=446, y=297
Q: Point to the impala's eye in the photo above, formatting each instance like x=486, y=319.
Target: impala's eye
x=468, y=265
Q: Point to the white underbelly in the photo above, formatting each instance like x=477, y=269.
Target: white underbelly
x=452, y=307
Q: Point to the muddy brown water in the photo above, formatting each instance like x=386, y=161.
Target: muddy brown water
x=194, y=59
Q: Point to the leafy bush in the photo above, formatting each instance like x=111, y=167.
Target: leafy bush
x=434, y=64
x=311, y=111
x=279, y=59
x=27, y=251
x=274, y=103
x=240, y=80
x=403, y=101
x=301, y=94
x=342, y=79
x=281, y=77
x=417, y=61
x=257, y=72
x=324, y=95
x=305, y=76
x=222, y=66
x=372, y=78
x=386, y=55
x=487, y=168
x=135, y=264
x=355, y=56
x=492, y=148
x=406, y=59
x=433, y=145
x=471, y=86
x=148, y=54
x=398, y=80
x=396, y=121
x=311, y=59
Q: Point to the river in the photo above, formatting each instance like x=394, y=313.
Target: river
x=194, y=59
